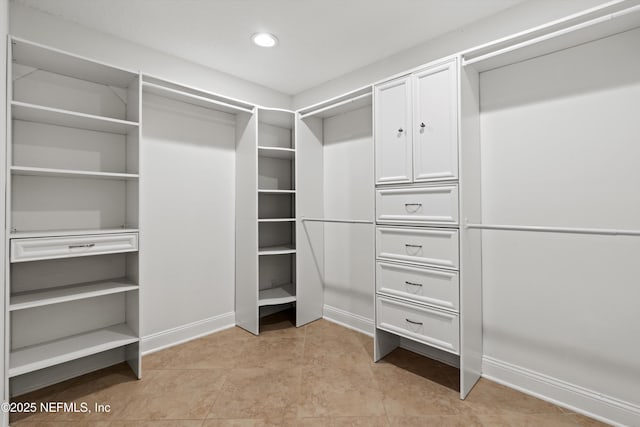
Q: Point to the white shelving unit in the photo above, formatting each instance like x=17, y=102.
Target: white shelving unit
x=72, y=190
x=265, y=233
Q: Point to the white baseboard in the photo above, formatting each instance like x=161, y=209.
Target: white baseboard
x=348, y=320
x=430, y=352
x=578, y=399
x=45, y=377
x=181, y=334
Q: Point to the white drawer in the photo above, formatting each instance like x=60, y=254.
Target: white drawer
x=429, y=326
x=437, y=205
x=423, y=285
x=72, y=246
x=434, y=247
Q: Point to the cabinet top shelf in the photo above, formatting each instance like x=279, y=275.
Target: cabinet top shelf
x=59, y=62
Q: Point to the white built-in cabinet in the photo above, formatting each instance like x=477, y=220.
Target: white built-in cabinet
x=72, y=284
x=416, y=127
x=420, y=280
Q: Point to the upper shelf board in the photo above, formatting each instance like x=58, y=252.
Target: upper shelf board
x=189, y=98
x=59, y=62
x=72, y=119
x=191, y=95
x=342, y=104
x=276, y=117
x=572, y=31
x=276, y=152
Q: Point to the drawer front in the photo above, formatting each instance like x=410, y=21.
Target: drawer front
x=425, y=205
x=75, y=246
x=429, y=326
x=437, y=248
x=423, y=285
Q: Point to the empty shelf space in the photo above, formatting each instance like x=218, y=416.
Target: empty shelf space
x=278, y=295
x=68, y=173
x=62, y=233
x=25, y=300
x=276, y=152
x=277, y=250
x=39, y=356
x=276, y=220
x=277, y=191
x=55, y=116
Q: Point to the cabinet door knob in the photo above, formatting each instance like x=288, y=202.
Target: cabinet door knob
x=400, y=130
x=422, y=125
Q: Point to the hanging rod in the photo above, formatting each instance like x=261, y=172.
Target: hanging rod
x=347, y=221
x=596, y=231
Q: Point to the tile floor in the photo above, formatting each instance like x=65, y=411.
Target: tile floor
x=318, y=375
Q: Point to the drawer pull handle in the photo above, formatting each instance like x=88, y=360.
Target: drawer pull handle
x=86, y=245
x=413, y=246
x=413, y=284
x=413, y=204
x=413, y=322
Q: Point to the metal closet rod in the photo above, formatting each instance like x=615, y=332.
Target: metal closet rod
x=347, y=221
x=567, y=230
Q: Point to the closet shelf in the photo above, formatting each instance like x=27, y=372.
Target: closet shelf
x=55, y=116
x=39, y=356
x=68, y=173
x=276, y=220
x=62, y=233
x=277, y=250
x=31, y=299
x=277, y=191
x=199, y=100
x=68, y=64
x=278, y=295
x=276, y=152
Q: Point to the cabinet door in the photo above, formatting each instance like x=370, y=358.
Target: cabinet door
x=435, y=125
x=392, y=131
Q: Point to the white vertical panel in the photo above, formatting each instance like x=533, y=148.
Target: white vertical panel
x=309, y=235
x=246, y=213
x=470, y=240
x=4, y=29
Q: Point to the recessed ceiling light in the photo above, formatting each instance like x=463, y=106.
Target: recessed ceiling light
x=264, y=39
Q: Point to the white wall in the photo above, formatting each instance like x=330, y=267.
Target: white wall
x=187, y=218
x=521, y=17
x=560, y=148
x=41, y=27
x=348, y=194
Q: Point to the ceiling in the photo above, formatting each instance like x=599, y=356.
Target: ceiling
x=319, y=39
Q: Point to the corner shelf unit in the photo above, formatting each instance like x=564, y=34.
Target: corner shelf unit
x=72, y=216
x=265, y=205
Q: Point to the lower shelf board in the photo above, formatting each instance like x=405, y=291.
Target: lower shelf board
x=40, y=356
x=278, y=295
x=277, y=250
x=31, y=299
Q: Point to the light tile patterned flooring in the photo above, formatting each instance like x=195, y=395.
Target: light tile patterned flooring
x=318, y=375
